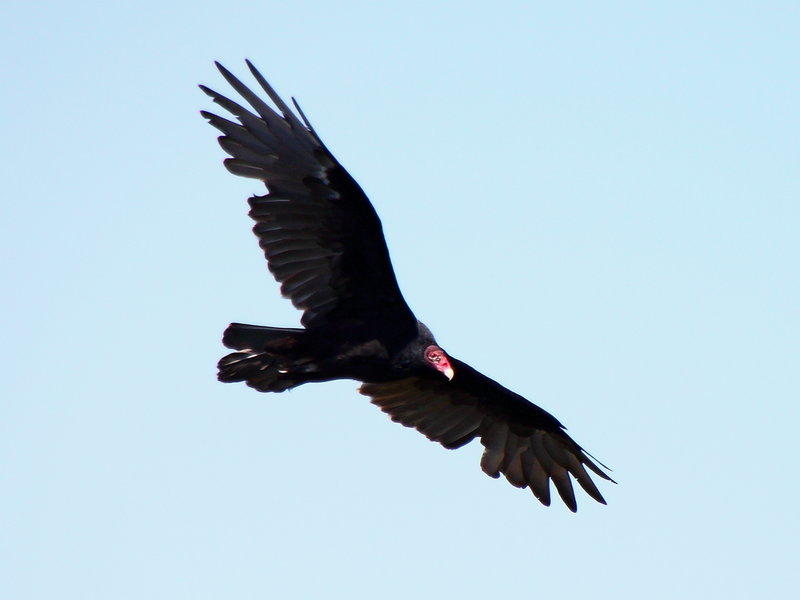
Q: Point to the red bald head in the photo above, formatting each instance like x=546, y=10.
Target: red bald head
x=436, y=358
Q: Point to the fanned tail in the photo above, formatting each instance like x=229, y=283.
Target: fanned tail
x=262, y=358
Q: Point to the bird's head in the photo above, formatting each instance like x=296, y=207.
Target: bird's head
x=436, y=358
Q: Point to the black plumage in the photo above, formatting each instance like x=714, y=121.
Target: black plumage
x=324, y=244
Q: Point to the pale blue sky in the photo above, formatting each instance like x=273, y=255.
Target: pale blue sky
x=595, y=204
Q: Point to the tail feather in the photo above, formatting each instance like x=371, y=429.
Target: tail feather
x=239, y=336
x=261, y=360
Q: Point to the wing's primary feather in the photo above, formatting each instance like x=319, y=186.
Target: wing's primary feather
x=321, y=236
x=521, y=440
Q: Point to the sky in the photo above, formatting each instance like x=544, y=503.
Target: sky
x=595, y=204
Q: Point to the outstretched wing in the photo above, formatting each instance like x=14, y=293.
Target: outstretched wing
x=522, y=441
x=322, y=238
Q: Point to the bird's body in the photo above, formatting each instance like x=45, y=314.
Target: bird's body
x=297, y=356
x=324, y=243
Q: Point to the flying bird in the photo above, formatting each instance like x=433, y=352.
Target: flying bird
x=324, y=244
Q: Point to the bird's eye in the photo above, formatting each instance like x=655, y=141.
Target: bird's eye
x=434, y=357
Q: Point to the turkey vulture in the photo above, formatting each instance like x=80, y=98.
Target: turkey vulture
x=324, y=244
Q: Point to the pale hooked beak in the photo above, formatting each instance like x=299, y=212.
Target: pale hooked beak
x=449, y=373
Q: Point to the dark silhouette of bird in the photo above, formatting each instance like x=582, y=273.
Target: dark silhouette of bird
x=324, y=244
